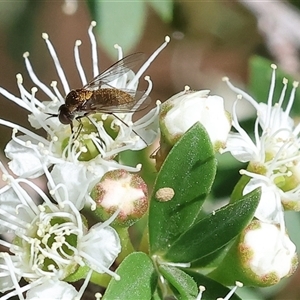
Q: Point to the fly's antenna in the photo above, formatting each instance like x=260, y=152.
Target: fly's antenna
x=51, y=115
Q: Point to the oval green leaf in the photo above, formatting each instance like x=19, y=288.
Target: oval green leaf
x=138, y=279
x=214, y=231
x=184, y=285
x=189, y=170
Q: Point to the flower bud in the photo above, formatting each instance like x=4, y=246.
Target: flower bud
x=183, y=110
x=261, y=256
x=119, y=189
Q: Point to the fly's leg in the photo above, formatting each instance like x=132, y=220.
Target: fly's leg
x=131, y=129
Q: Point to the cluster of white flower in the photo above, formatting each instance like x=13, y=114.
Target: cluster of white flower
x=273, y=158
x=51, y=240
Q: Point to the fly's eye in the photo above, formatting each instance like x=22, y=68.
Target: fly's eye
x=64, y=115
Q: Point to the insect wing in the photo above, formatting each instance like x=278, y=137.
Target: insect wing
x=140, y=101
x=118, y=69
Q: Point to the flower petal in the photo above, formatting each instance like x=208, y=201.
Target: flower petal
x=269, y=209
x=25, y=162
x=57, y=290
x=102, y=246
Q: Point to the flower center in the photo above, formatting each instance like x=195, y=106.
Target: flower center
x=93, y=136
x=50, y=244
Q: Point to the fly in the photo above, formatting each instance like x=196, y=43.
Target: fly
x=99, y=96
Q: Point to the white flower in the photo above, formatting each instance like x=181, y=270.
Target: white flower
x=102, y=136
x=183, y=110
x=278, y=137
x=51, y=241
x=273, y=154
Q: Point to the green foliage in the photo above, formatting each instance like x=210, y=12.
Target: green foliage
x=123, y=22
x=213, y=289
x=178, y=235
x=213, y=232
x=181, y=283
x=138, y=279
x=260, y=78
x=189, y=170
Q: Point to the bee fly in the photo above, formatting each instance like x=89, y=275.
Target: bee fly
x=99, y=96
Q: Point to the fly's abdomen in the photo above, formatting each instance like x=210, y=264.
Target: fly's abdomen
x=111, y=97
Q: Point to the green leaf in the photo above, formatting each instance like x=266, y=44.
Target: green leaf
x=213, y=289
x=163, y=8
x=184, y=284
x=260, y=79
x=212, y=260
x=119, y=22
x=138, y=279
x=189, y=170
x=214, y=231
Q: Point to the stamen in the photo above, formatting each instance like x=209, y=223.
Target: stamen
x=146, y=65
x=239, y=91
x=120, y=51
x=34, y=78
x=201, y=290
x=94, y=49
x=78, y=63
x=57, y=65
x=291, y=99
x=57, y=92
x=98, y=296
x=85, y=284
x=270, y=97
x=13, y=98
x=13, y=277
x=282, y=95
x=240, y=130
x=237, y=284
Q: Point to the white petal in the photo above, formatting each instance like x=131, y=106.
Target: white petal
x=75, y=178
x=279, y=119
x=268, y=209
x=54, y=290
x=239, y=148
x=6, y=283
x=24, y=160
x=193, y=107
x=102, y=245
x=148, y=133
x=8, y=202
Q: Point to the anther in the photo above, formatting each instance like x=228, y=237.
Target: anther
x=19, y=78
x=45, y=36
x=273, y=66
